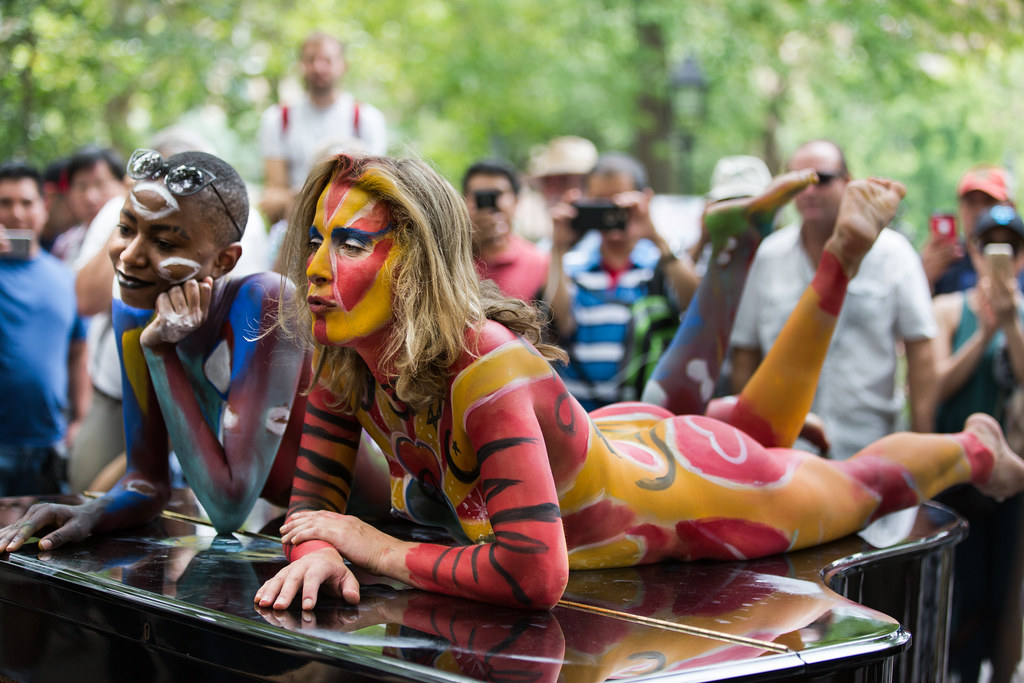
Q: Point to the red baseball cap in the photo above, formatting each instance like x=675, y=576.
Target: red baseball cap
x=990, y=179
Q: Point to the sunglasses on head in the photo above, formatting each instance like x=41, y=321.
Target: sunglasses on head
x=826, y=178
x=182, y=181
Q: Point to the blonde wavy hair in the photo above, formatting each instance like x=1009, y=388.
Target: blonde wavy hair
x=437, y=295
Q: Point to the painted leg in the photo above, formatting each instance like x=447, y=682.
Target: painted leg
x=773, y=405
x=686, y=374
x=905, y=469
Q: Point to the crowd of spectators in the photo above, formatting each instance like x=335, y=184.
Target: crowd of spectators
x=922, y=340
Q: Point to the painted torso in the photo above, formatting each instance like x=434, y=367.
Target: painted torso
x=623, y=476
x=223, y=400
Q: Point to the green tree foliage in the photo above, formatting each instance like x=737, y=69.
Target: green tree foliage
x=913, y=89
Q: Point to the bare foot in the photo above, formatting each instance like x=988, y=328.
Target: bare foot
x=761, y=210
x=1007, y=476
x=866, y=208
x=730, y=218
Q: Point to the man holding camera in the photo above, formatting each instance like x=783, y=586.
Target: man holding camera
x=619, y=258
x=42, y=358
x=491, y=191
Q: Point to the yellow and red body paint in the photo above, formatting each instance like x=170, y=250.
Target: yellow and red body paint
x=349, y=218
x=776, y=400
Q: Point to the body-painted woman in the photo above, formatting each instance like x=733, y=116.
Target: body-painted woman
x=200, y=376
x=482, y=436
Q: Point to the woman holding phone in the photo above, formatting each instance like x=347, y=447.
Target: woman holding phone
x=980, y=355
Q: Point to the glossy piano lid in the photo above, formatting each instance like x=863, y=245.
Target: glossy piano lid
x=686, y=621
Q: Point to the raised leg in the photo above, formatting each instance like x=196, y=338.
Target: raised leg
x=774, y=403
x=686, y=374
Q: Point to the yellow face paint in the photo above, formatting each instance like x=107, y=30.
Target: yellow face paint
x=351, y=270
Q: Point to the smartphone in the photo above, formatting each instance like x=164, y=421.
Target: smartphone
x=943, y=226
x=1000, y=260
x=486, y=199
x=21, y=244
x=599, y=214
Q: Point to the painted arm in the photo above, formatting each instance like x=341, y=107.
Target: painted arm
x=142, y=493
x=260, y=391
x=526, y=563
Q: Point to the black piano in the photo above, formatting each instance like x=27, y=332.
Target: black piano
x=173, y=601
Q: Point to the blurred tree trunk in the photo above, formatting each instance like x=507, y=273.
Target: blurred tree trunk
x=116, y=119
x=654, y=126
x=772, y=154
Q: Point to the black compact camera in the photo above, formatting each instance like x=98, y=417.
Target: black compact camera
x=599, y=214
x=486, y=199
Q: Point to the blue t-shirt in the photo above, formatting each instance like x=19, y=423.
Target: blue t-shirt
x=38, y=320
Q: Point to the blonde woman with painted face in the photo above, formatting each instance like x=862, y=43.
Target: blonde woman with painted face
x=199, y=375
x=482, y=437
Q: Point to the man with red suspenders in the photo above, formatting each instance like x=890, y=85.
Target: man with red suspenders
x=328, y=119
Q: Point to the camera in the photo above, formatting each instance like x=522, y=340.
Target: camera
x=486, y=199
x=599, y=214
x=21, y=245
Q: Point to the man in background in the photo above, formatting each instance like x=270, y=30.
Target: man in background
x=293, y=138
x=887, y=304
x=95, y=175
x=591, y=289
x=491, y=191
x=42, y=358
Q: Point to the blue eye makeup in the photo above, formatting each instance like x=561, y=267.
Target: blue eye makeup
x=353, y=237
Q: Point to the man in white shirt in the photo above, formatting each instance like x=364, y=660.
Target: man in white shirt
x=328, y=119
x=888, y=302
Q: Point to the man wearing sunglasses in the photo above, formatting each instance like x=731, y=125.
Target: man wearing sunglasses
x=888, y=302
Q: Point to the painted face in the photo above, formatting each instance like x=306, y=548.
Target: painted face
x=160, y=242
x=350, y=269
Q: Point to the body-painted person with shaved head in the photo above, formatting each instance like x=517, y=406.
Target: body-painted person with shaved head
x=201, y=373
x=482, y=437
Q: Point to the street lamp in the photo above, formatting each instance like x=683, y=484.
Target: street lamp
x=689, y=103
